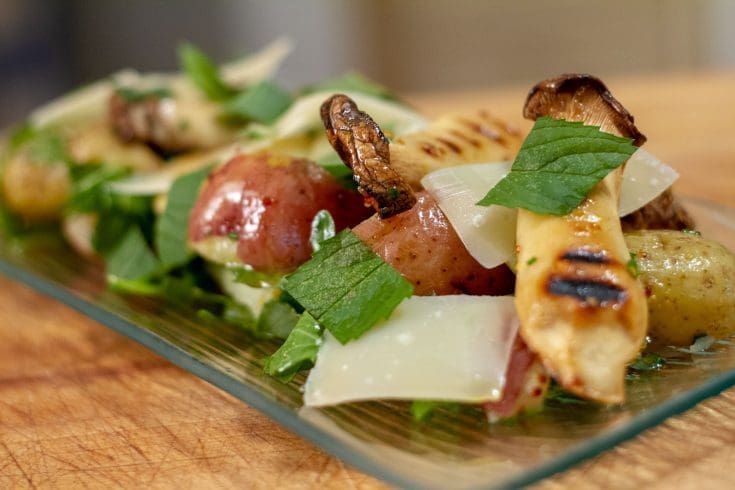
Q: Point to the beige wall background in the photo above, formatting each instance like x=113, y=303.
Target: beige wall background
x=411, y=45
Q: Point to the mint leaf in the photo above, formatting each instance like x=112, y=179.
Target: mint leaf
x=262, y=103
x=297, y=352
x=557, y=167
x=203, y=73
x=131, y=259
x=322, y=228
x=346, y=287
x=171, y=234
x=277, y=319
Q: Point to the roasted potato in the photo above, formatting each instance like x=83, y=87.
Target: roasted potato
x=690, y=284
x=37, y=191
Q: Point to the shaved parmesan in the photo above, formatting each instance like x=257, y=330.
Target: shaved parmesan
x=488, y=233
x=432, y=347
x=645, y=177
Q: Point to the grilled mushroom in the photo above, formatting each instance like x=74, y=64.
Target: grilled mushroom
x=363, y=147
x=580, y=308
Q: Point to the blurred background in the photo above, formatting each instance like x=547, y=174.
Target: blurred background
x=50, y=46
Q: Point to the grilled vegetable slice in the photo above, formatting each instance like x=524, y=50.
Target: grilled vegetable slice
x=581, y=309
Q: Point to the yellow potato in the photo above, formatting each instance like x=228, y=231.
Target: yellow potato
x=690, y=283
x=37, y=191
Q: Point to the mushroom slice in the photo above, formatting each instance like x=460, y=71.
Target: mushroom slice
x=363, y=147
x=580, y=308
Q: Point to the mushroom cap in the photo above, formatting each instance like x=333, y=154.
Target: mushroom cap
x=581, y=97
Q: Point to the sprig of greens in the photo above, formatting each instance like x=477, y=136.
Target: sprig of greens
x=262, y=103
x=558, y=165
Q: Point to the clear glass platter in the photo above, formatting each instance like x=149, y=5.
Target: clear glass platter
x=457, y=450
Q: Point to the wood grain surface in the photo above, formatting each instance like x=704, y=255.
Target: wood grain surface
x=83, y=407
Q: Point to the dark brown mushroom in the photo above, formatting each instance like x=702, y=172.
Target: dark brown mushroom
x=363, y=147
x=576, y=97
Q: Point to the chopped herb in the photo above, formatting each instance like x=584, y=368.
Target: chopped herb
x=322, y=228
x=171, y=234
x=277, y=319
x=531, y=261
x=632, y=265
x=648, y=361
x=132, y=259
x=352, y=82
x=262, y=103
x=692, y=232
x=204, y=73
x=557, y=167
x=557, y=394
x=346, y=287
x=131, y=94
x=234, y=236
x=423, y=410
x=297, y=352
x=90, y=187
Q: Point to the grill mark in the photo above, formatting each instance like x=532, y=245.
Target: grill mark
x=586, y=255
x=484, y=131
x=450, y=144
x=588, y=291
x=432, y=150
x=460, y=135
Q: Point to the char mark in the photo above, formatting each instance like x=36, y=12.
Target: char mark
x=586, y=255
x=588, y=291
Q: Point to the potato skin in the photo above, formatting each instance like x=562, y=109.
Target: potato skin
x=37, y=191
x=690, y=284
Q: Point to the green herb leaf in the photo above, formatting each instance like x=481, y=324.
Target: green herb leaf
x=277, y=319
x=90, y=187
x=423, y=410
x=131, y=259
x=557, y=167
x=322, y=228
x=352, y=82
x=132, y=94
x=297, y=352
x=531, y=261
x=171, y=235
x=347, y=287
x=333, y=164
x=262, y=103
x=204, y=73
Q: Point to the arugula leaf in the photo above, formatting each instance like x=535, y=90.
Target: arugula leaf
x=277, y=319
x=557, y=167
x=262, y=103
x=423, y=410
x=322, y=228
x=132, y=94
x=171, y=232
x=297, y=352
x=346, y=287
x=204, y=73
x=131, y=259
x=352, y=82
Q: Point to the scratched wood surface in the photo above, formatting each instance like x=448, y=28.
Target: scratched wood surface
x=83, y=407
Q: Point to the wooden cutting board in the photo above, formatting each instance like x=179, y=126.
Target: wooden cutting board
x=81, y=406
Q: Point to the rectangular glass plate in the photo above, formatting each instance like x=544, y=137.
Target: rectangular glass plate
x=452, y=450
